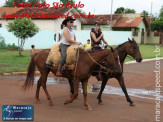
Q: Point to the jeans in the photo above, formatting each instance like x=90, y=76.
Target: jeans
x=63, y=49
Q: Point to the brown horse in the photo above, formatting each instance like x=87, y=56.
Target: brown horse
x=85, y=65
x=128, y=48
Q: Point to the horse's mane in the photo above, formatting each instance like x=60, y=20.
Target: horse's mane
x=120, y=45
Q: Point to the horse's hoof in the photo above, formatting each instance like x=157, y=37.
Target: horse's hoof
x=100, y=103
x=50, y=104
x=38, y=101
x=89, y=109
x=132, y=104
x=66, y=102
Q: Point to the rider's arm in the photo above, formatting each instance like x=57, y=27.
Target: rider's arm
x=94, y=37
x=104, y=40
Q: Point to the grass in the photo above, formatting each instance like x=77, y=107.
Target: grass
x=147, y=52
x=10, y=61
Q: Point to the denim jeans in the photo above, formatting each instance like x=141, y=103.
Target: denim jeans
x=63, y=49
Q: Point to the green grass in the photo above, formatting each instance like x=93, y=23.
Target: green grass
x=147, y=52
x=10, y=61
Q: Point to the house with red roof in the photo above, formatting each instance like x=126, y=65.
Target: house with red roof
x=44, y=18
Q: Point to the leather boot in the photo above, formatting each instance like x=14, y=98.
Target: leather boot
x=50, y=63
x=59, y=74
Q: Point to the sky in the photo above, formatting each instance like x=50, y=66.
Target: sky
x=104, y=6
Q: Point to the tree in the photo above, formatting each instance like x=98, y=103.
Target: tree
x=119, y=10
x=157, y=25
x=65, y=1
x=9, y=3
x=128, y=10
x=161, y=12
x=22, y=28
x=124, y=10
x=32, y=2
x=73, y=2
x=146, y=14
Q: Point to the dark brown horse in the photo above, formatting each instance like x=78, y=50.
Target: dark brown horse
x=86, y=63
x=128, y=48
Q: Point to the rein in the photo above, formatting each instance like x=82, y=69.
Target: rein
x=105, y=68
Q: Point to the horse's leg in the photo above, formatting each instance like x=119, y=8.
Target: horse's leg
x=76, y=86
x=43, y=83
x=104, y=81
x=122, y=84
x=84, y=87
x=38, y=90
x=71, y=87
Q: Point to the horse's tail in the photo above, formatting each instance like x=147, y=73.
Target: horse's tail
x=30, y=75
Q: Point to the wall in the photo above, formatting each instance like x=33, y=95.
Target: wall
x=147, y=39
x=45, y=38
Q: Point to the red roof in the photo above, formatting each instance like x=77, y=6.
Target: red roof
x=8, y=10
x=19, y=11
x=128, y=22
x=102, y=19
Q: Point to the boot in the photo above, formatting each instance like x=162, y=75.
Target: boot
x=50, y=63
x=59, y=74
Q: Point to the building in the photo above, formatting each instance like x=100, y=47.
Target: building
x=104, y=21
x=47, y=23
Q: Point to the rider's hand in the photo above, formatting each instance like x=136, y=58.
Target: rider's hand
x=78, y=43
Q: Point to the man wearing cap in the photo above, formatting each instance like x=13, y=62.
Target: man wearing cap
x=68, y=38
x=96, y=37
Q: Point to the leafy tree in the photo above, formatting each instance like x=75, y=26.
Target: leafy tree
x=128, y=10
x=73, y=2
x=22, y=28
x=124, y=10
x=65, y=1
x=161, y=12
x=2, y=42
x=157, y=25
x=119, y=10
x=9, y=3
x=146, y=14
x=32, y=2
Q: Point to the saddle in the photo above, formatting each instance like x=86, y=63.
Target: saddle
x=55, y=56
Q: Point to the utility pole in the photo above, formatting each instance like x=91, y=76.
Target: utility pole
x=111, y=15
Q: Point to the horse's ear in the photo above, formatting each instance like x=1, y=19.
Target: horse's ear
x=112, y=50
x=133, y=39
x=129, y=39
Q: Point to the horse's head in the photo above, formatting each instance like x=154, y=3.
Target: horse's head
x=113, y=61
x=132, y=49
